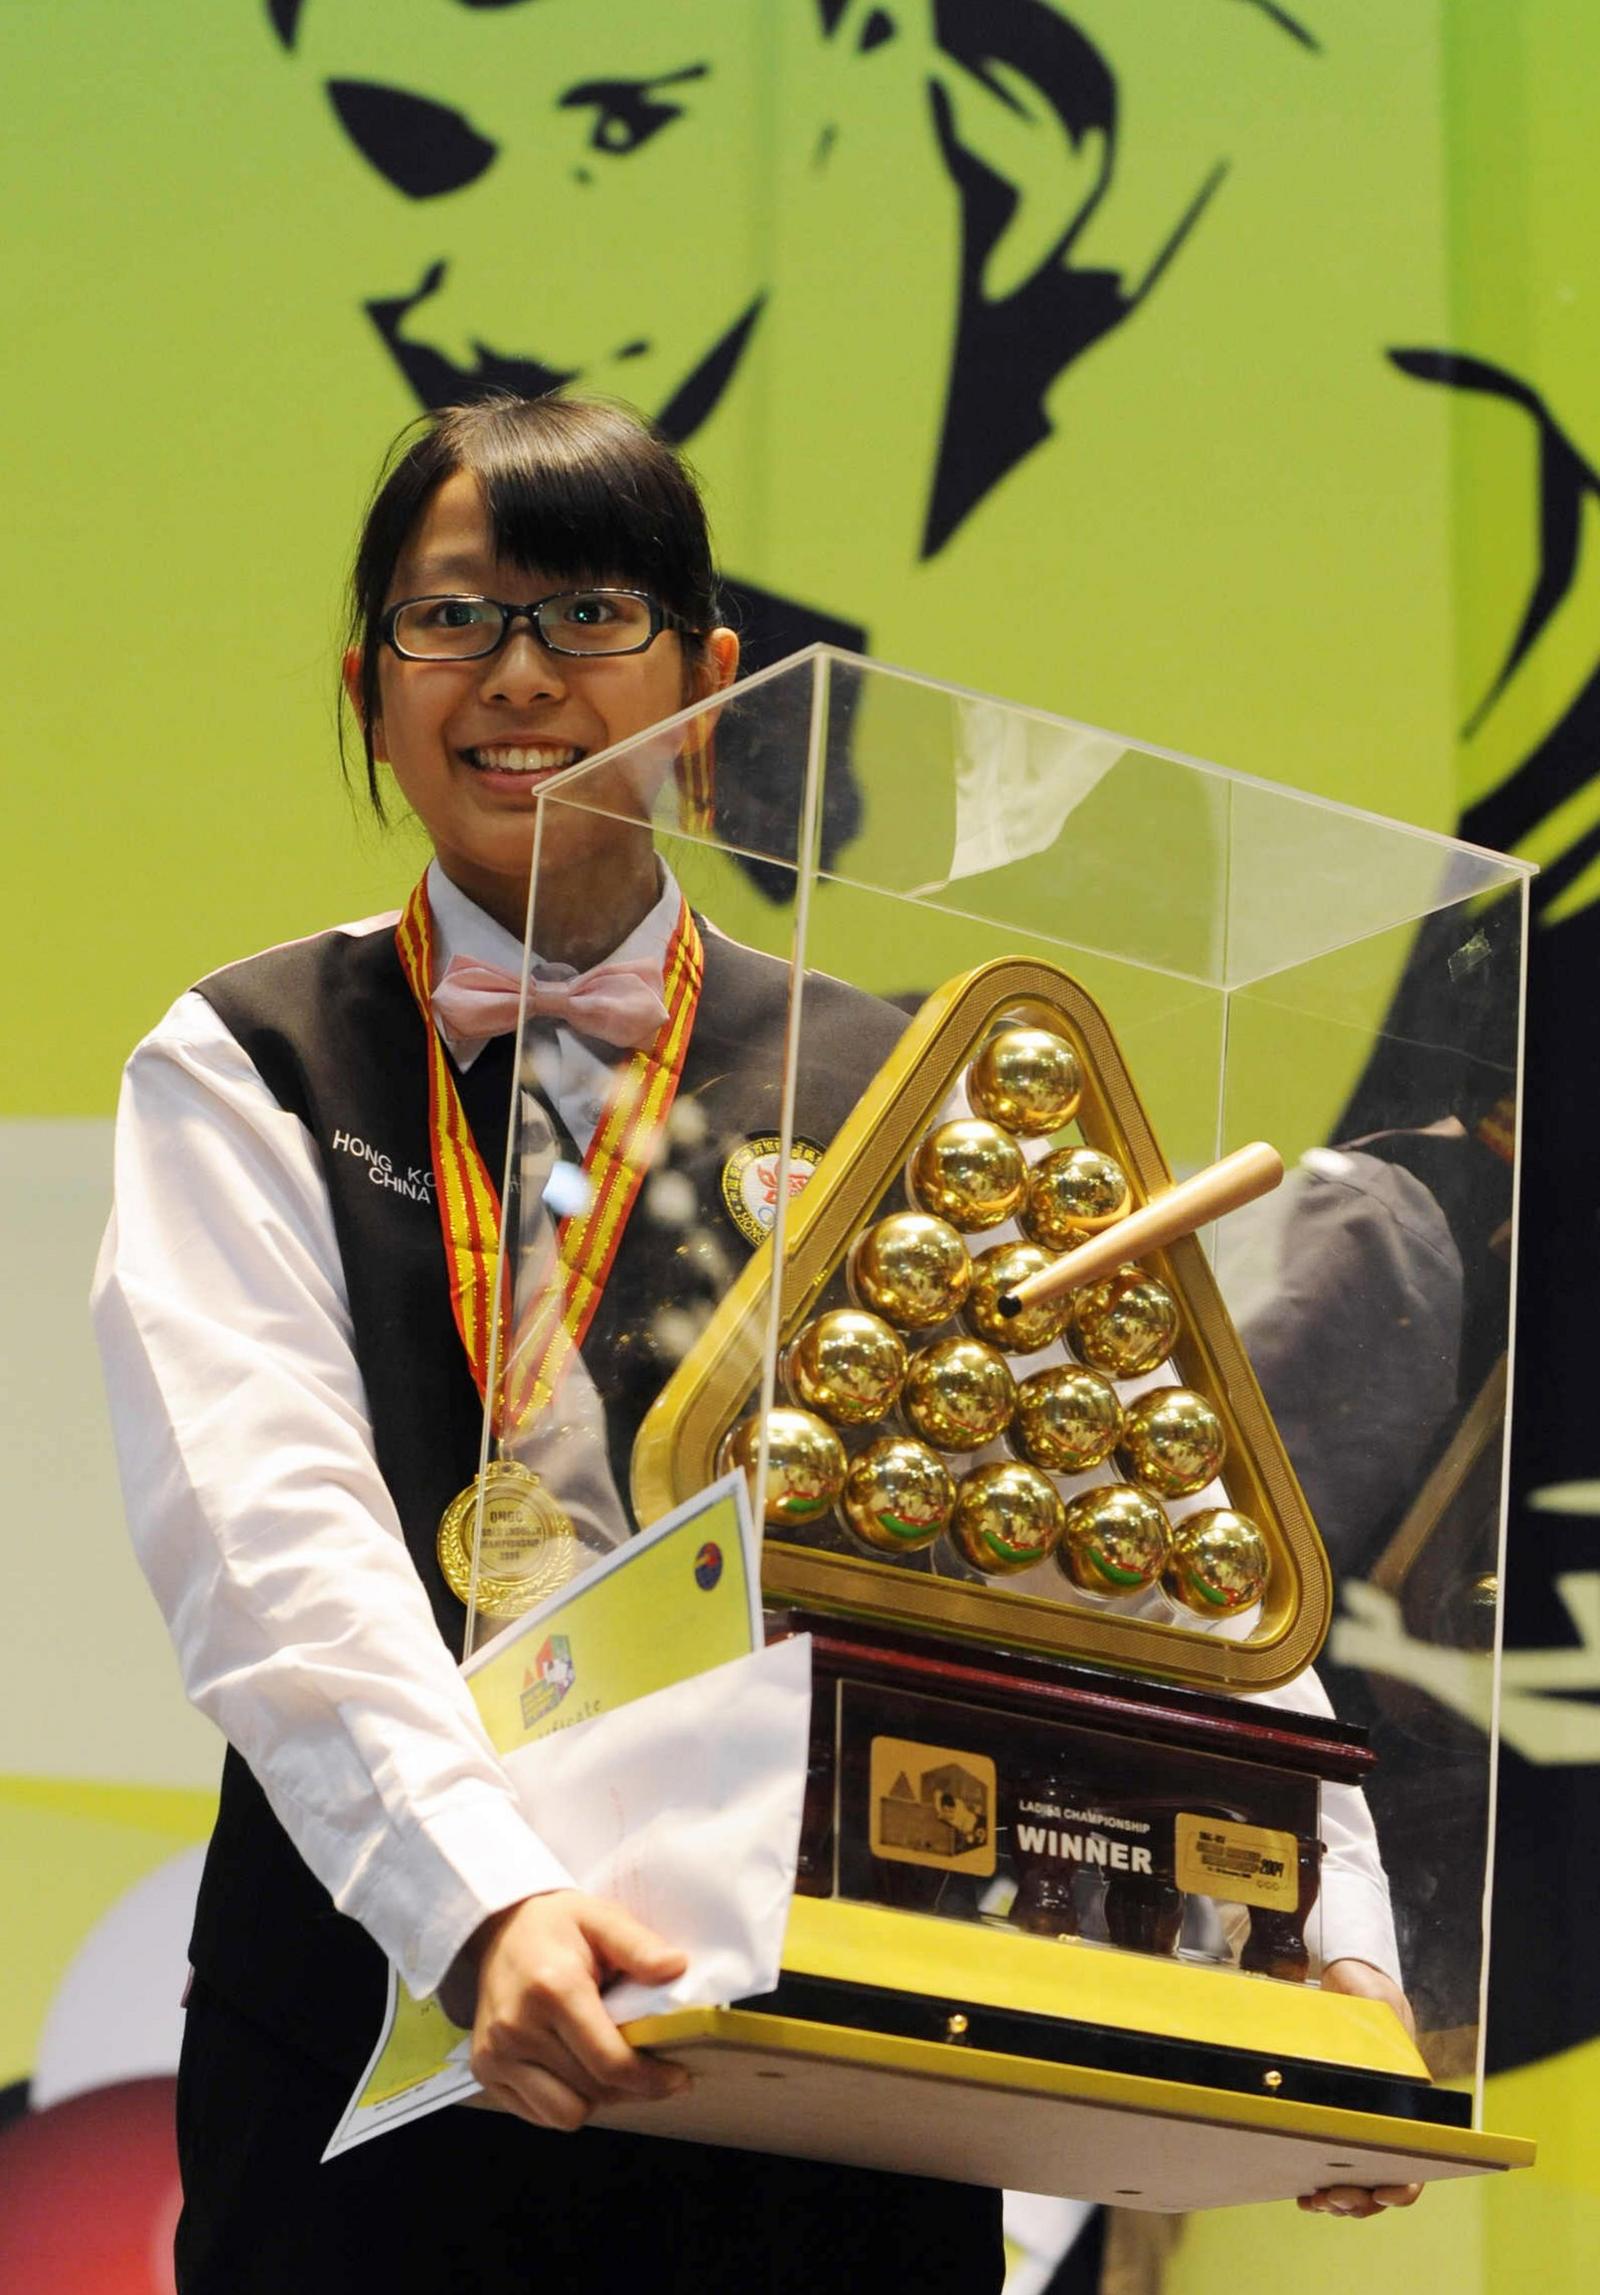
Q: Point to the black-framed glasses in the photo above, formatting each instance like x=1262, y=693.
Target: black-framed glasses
x=466, y=628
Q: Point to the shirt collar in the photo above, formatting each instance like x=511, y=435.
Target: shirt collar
x=461, y=928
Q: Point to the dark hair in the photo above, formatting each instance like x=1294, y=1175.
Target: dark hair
x=575, y=487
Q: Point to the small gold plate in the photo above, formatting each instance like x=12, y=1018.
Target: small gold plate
x=932, y=1805
x=1241, y=1864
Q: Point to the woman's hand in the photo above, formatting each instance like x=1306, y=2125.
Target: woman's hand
x=1365, y=1983
x=543, y=2045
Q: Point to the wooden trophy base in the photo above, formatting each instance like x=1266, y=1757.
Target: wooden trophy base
x=968, y=2048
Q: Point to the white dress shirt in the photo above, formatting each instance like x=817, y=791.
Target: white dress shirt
x=252, y=1489
x=268, y=1535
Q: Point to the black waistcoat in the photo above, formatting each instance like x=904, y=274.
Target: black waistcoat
x=332, y=1029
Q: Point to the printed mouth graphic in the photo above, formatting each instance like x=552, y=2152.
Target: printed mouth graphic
x=438, y=381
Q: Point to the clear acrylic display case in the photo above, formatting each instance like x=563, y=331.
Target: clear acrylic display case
x=887, y=874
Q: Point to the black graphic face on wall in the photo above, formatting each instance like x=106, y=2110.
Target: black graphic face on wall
x=621, y=124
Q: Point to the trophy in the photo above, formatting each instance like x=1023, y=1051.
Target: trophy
x=967, y=1287
x=1119, y=1499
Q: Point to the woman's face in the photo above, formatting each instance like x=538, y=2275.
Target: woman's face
x=470, y=743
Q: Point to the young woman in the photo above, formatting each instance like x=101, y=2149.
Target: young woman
x=295, y=1409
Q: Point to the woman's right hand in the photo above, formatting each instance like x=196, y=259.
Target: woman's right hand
x=543, y=2045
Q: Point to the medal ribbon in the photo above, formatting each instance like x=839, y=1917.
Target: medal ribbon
x=620, y=1154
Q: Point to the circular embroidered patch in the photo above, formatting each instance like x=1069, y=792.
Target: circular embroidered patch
x=750, y=1182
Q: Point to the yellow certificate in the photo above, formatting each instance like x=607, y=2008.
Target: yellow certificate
x=681, y=1598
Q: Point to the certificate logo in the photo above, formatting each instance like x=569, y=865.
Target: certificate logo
x=708, y=1566
x=547, y=1680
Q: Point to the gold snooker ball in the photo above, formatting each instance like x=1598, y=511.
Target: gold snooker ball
x=897, y=1495
x=969, y=1172
x=1007, y=1517
x=1068, y=1419
x=848, y=1366
x=995, y=1273
x=1173, y=1442
x=959, y=1394
x=1073, y=1194
x=911, y=1269
x=1027, y=1080
x=1115, y=1540
x=1125, y=1325
x=1218, y=1563
x=805, y=1464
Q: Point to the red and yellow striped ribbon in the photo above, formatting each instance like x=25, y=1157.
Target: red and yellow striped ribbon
x=554, y=1321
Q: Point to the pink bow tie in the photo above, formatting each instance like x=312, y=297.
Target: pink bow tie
x=619, y=1003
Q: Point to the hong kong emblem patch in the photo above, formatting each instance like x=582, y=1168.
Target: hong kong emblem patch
x=750, y=1182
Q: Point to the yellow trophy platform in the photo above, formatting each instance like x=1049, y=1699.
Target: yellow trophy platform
x=920, y=2046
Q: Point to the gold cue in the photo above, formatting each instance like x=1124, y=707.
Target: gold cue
x=1222, y=1187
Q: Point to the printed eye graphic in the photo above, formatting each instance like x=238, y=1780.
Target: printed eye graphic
x=421, y=147
x=628, y=112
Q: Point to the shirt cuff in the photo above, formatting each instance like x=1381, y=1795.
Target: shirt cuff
x=471, y=1860
x=1357, y=1923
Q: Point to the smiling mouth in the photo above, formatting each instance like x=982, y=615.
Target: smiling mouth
x=516, y=760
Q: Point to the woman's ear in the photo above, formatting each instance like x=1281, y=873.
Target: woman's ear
x=694, y=765
x=718, y=666
x=350, y=674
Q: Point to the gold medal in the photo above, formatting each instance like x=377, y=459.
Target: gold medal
x=529, y=1545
